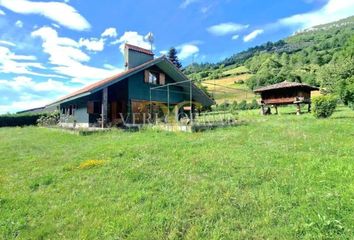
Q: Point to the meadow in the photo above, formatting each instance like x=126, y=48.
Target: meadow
x=272, y=177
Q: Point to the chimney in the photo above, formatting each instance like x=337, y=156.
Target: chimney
x=135, y=56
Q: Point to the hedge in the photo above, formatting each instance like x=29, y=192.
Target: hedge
x=19, y=120
x=243, y=105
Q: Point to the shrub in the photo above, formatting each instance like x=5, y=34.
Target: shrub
x=19, y=120
x=242, y=105
x=233, y=107
x=324, y=106
x=351, y=105
x=347, y=94
x=51, y=119
x=253, y=105
x=223, y=106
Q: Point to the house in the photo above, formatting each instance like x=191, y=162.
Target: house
x=285, y=93
x=128, y=97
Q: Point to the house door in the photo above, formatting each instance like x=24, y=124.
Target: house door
x=118, y=109
x=114, y=114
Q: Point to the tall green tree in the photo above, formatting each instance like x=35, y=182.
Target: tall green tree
x=172, y=56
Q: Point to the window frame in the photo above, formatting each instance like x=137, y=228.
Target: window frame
x=155, y=74
x=160, y=77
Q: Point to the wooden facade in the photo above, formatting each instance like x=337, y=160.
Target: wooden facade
x=285, y=93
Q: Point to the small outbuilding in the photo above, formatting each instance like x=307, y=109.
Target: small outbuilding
x=285, y=93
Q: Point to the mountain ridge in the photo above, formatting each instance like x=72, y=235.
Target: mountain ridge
x=289, y=45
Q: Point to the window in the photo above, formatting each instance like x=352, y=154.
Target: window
x=74, y=109
x=153, y=77
x=69, y=110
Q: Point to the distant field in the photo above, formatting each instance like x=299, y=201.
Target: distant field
x=274, y=177
x=225, y=89
x=237, y=70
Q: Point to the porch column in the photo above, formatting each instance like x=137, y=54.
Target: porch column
x=104, y=106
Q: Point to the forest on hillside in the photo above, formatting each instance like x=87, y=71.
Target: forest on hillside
x=322, y=56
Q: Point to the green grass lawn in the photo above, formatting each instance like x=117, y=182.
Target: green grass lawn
x=274, y=177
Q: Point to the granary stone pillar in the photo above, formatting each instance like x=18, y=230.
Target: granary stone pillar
x=104, y=106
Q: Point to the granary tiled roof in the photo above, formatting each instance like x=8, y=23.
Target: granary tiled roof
x=285, y=84
x=138, y=49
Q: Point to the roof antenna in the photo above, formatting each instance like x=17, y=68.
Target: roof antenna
x=150, y=38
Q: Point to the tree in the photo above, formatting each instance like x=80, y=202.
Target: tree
x=172, y=56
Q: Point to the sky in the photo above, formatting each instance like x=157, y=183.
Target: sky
x=51, y=48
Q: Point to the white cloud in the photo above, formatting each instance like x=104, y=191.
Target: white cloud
x=133, y=38
x=20, y=64
x=187, y=50
x=186, y=3
x=23, y=104
x=109, y=66
x=332, y=11
x=68, y=59
x=97, y=44
x=22, y=83
x=19, y=24
x=163, y=52
x=110, y=32
x=252, y=35
x=2, y=42
x=62, y=51
x=235, y=37
x=23, y=92
x=2, y=12
x=205, y=9
x=55, y=25
x=59, y=12
x=226, y=28
x=93, y=44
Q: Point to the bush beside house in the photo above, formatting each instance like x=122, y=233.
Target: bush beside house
x=51, y=119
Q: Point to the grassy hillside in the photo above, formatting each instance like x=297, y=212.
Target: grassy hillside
x=232, y=88
x=322, y=56
x=276, y=177
x=227, y=84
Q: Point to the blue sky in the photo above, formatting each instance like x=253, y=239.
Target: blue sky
x=50, y=48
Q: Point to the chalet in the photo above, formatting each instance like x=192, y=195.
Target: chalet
x=285, y=93
x=114, y=100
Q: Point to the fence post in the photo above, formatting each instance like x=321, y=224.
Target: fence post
x=190, y=99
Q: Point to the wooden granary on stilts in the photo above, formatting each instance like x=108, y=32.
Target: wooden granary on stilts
x=285, y=93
